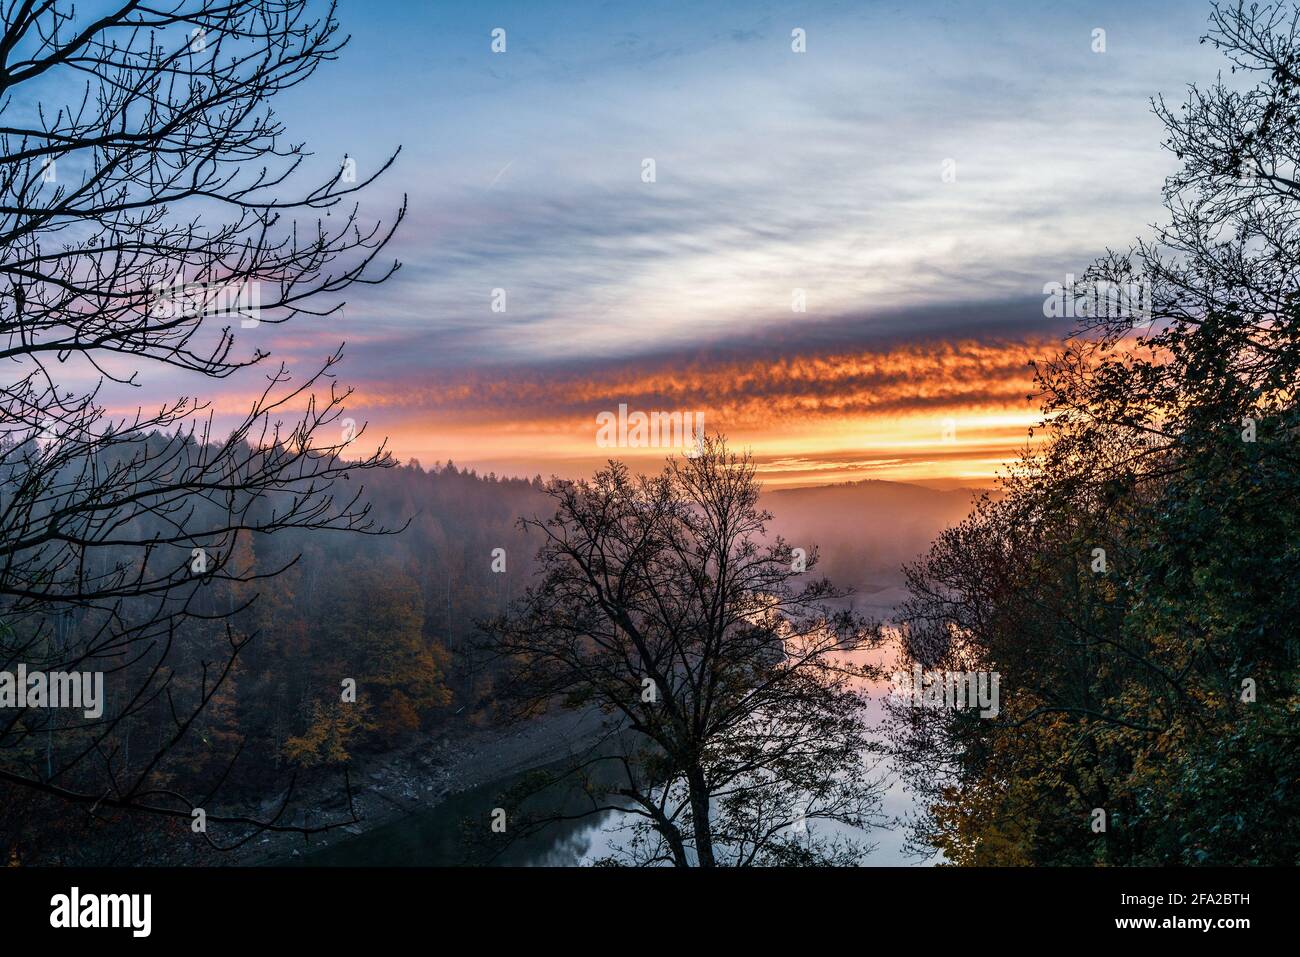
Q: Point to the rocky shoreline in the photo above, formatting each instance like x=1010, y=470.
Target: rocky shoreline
x=410, y=780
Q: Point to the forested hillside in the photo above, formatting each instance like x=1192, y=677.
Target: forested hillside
x=395, y=613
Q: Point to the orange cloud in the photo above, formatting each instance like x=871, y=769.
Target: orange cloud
x=941, y=411
x=948, y=411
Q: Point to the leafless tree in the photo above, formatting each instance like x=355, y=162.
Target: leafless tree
x=731, y=690
x=150, y=205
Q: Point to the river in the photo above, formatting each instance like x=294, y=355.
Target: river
x=439, y=836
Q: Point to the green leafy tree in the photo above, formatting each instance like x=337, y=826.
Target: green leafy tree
x=1158, y=686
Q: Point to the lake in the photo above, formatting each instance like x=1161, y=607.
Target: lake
x=440, y=837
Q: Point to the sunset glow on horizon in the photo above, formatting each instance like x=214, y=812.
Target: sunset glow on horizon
x=838, y=260
x=948, y=413
x=842, y=271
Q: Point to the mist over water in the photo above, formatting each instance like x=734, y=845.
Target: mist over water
x=864, y=532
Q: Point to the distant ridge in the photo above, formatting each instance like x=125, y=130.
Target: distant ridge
x=931, y=485
x=866, y=530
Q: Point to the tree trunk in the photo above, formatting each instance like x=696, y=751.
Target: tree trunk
x=700, y=817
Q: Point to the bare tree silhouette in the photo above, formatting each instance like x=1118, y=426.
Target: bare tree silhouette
x=730, y=688
x=147, y=203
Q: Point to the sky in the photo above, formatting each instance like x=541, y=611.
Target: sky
x=919, y=172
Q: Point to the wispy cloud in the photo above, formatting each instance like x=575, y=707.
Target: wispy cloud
x=775, y=171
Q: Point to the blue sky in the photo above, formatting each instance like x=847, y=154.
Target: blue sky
x=775, y=170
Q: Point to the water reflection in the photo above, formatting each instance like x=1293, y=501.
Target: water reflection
x=450, y=834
